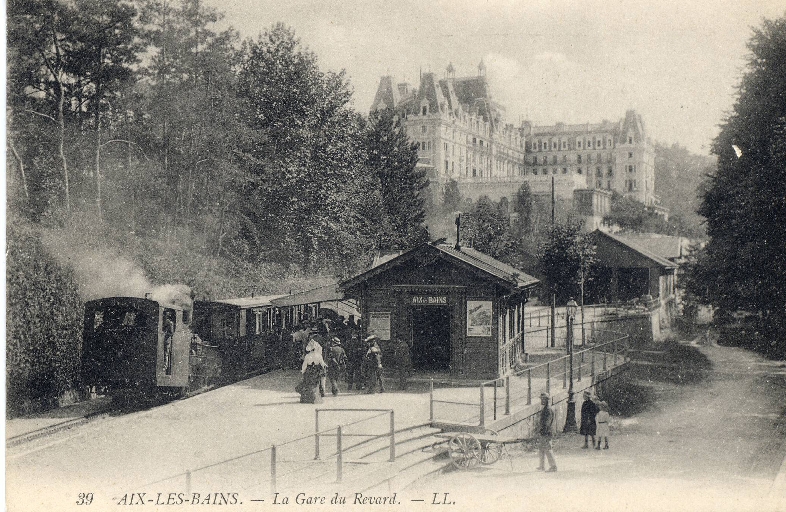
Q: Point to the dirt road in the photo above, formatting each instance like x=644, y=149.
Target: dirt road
x=714, y=443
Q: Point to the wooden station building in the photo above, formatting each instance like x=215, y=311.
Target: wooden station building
x=461, y=310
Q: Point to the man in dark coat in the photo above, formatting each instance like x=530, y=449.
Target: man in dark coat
x=589, y=409
x=355, y=352
x=373, y=365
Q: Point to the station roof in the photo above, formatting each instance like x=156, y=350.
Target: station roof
x=659, y=260
x=503, y=273
x=327, y=293
x=250, y=302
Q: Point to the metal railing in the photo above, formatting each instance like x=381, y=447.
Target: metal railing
x=499, y=396
x=290, y=461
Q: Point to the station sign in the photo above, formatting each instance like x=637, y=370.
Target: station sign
x=429, y=300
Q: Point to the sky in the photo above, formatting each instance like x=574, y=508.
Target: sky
x=677, y=63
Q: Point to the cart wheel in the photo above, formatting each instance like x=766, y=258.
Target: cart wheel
x=490, y=452
x=464, y=450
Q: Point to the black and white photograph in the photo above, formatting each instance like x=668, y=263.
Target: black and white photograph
x=459, y=255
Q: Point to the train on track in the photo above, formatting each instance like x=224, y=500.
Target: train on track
x=149, y=347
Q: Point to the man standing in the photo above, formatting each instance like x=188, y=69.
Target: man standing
x=589, y=409
x=373, y=364
x=545, y=429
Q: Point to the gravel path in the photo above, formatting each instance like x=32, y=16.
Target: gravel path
x=714, y=445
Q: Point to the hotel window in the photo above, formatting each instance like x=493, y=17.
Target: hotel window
x=446, y=147
x=446, y=166
x=608, y=143
x=554, y=159
x=589, y=144
x=578, y=159
x=630, y=140
x=425, y=110
x=599, y=184
x=554, y=145
x=579, y=170
x=474, y=141
x=598, y=172
x=630, y=154
x=564, y=145
x=423, y=129
x=553, y=170
x=564, y=170
x=609, y=172
x=564, y=159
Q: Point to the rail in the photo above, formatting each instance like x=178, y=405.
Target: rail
x=499, y=396
x=291, y=460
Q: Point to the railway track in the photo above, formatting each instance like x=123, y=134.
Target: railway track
x=47, y=430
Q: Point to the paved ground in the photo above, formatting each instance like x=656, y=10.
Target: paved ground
x=714, y=445
x=711, y=445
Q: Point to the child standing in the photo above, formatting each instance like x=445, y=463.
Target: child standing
x=602, y=425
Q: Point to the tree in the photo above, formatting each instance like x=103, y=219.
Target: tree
x=566, y=257
x=487, y=228
x=744, y=202
x=38, y=33
x=522, y=206
x=309, y=189
x=451, y=197
x=104, y=47
x=394, y=158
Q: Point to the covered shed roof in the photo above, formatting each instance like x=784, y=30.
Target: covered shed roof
x=327, y=293
x=498, y=271
x=250, y=302
x=637, y=250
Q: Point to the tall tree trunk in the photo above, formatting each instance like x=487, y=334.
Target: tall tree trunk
x=61, y=141
x=98, y=162
x=21, y=167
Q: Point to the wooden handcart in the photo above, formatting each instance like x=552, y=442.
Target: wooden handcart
x=467, y=450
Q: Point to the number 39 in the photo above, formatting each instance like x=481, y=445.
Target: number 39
x=84, y=498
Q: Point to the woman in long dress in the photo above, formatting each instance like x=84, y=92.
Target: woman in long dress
x=313, y=370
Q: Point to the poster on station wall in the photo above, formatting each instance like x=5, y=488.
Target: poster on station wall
x=379, y=324
x=478, y=318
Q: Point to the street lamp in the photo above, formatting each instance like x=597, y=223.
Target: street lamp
x=570, y=417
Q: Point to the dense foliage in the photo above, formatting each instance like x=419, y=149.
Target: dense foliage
x=743, y=267
x=43, y=323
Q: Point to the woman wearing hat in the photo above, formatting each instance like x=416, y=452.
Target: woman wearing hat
x=589, y=409
x=313, y=371
x=373, y=365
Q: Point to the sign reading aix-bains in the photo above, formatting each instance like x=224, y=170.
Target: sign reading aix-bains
x=421, y=300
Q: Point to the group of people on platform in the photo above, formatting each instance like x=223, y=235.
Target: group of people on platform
x=595, y=421
x=343, y=358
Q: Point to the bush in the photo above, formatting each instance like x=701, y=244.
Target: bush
x=44, y=324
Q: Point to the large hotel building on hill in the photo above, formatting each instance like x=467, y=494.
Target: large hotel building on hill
x=462, y=135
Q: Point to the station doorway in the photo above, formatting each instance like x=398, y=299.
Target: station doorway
x=431, y=338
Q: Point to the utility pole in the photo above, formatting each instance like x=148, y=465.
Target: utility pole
x=553, y=293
